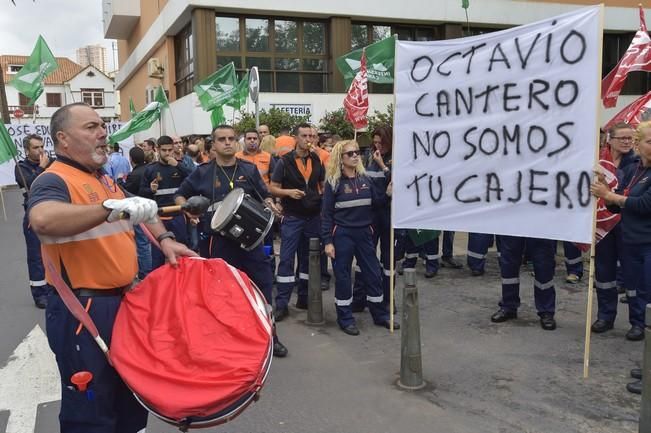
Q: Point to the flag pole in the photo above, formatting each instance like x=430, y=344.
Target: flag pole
x=590, y=301
x=2, y=199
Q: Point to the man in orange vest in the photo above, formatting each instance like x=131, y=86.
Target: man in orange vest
x=255, y=155
x=77, y=210
x=285, y=143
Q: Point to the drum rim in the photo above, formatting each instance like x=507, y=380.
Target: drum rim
x=238, y=203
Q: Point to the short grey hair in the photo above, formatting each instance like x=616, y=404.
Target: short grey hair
x=60, y=118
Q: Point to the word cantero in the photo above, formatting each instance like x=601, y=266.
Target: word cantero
x=558, y=189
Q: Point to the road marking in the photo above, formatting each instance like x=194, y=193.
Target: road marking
x=30, y=378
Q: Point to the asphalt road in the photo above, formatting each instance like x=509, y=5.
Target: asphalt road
x=482, y=377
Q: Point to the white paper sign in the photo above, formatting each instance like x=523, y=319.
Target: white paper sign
x=497, y=133
x=17, y=131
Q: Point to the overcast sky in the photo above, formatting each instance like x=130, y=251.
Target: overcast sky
x=65, y=24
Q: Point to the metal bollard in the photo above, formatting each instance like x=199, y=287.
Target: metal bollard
x=411, y=363
x=645, y=406
x=314, y=294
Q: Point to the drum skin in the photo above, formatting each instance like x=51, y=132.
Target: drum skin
x=192, y=341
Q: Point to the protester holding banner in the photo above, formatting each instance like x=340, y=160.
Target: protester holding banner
x=26, y=171
x=633, y=200
x=542, y=253
x=608, y=251
x=347, y=232
x=478, y=245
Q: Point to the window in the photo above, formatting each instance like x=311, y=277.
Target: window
x=291, y=55
x=366, y=34
x=184, y=62
x=614, y=47
x=14, y=69
x=93, y=97
x=22, y=102
x=53, y=99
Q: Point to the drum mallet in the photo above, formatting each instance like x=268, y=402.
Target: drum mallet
x=196, y=205
x=411, y=362
x=314, y=293
x=645, y=405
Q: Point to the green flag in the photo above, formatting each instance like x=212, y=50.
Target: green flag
x=465, y=4
x=241, y=93
x=29, y=80
x=419, y=237
x=380, y=57
x=132, y=108
x=7, y=147
x=217, y=117
x=218, y=88
x=161, y=98
x=140, y=122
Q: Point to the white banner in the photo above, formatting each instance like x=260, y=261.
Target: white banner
x=17, y=131
x=497, y=133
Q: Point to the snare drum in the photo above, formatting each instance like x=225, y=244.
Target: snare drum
x=194, y=343
x=242, y=219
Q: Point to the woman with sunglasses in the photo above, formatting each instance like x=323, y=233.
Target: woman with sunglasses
x=346, y=226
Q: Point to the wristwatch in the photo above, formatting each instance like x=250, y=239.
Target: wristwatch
x=166, y=235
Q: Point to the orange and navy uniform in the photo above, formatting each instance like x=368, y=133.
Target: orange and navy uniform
x=113, y=243
x=262, y=160
x=284, y=145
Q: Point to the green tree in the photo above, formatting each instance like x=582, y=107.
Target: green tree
x=276, y=120
x=335, y=122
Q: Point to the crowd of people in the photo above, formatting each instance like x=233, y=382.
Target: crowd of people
x=317, y=186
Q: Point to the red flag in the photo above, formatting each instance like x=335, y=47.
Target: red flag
x=636, y=58
x=633, y=114
x=606, y=220
x=356, y=101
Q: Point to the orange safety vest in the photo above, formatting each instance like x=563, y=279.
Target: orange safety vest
x=262, y=161
x=324, y=155
x=284, y=145
x=103, y=257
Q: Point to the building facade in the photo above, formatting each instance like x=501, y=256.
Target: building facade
x=68, y=83
x=94, y=55
x=178, y=43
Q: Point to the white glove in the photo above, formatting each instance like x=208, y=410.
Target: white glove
x=136, y=209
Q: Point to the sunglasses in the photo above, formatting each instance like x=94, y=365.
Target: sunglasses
x=351, y=153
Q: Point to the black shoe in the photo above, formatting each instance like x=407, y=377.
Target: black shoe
x=635, y=334
x=547, y=321
x=281, y=313
x=477, y=272
x=430, y=274
x=387, y=324
x=41, y=302
x=325, y=285
x=623, y=300
x=450, y=262
x=400, y=270
x=601, y=326
x=350, y=329
x=280, y=351
x=634, y=387
x=636, y=373
x=301, y=304
x=503, y=315
x=358, y=307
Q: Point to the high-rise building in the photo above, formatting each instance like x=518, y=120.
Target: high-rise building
x=92, y=55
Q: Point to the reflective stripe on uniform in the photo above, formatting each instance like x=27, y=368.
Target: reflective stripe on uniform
x=387, y=272
x=573, y=261
x=411, y=255
x=515, y=280
x=356, y=268
x=166, y=191
x=605, y=284
x=37, y=283
x=631, y=293
x=375, y=299
x=432, y=256
x=343, y=302
x=375, y=174
x=288, y=279
x=353, y=203
x=100, y=231
x=543, y=286
x=303, y=276
x=476, y=255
